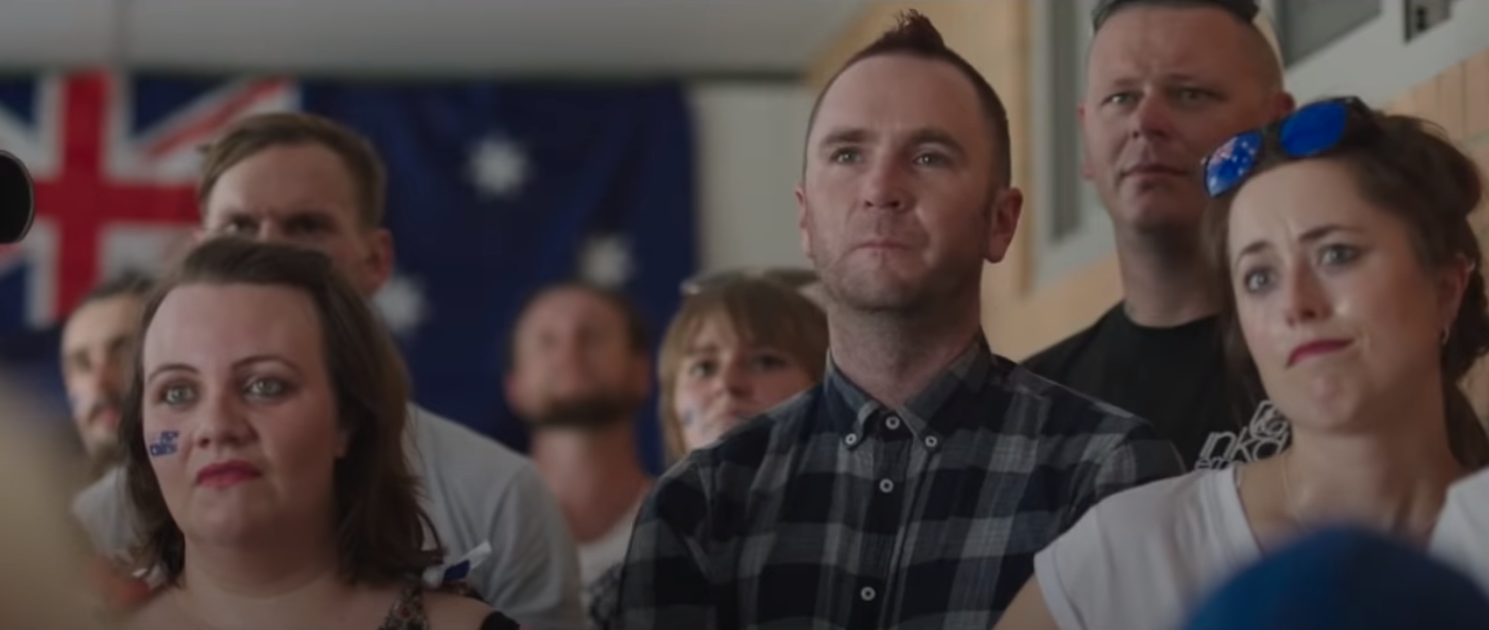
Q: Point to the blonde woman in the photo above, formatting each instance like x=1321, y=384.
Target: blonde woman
x=737, y=347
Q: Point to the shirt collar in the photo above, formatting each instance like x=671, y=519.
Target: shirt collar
x=971, y=371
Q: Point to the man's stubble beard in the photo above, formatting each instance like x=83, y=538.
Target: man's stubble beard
x=1171, y=221
x=865, y=291
x=588, y=413
x=861, y=291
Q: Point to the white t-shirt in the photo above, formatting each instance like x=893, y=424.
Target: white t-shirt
x=599, y=555
x=1143, y=558
x=1462, y=535
x=600, y=564
x=475, y=491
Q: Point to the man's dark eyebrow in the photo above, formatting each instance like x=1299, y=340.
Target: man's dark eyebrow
x=939, y=137
x=845, y=136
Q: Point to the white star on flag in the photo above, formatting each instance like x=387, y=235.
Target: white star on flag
x=498, y=167
x=606, y=260
x=401, y=304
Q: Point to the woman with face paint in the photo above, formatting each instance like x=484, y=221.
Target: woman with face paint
x=735, y=349
x=1351, y=282
x=264, y=460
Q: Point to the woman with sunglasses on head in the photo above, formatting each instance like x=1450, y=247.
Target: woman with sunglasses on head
x=1352, y=288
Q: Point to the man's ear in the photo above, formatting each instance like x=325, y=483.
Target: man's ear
x=378, y=267
x=801, y=221
x=1087, y=172
x=1283, y=105
x=1008, y=206
x=516, y=395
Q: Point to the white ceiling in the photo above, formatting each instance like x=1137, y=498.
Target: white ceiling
x=586, y=38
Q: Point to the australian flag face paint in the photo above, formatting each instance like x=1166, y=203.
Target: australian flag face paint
x=163, y=443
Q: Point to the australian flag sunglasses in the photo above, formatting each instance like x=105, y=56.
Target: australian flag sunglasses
x=1308, y=132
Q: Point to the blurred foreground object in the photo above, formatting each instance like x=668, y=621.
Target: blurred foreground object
x=17, y=199
x=44, y=552
x=1346, y=579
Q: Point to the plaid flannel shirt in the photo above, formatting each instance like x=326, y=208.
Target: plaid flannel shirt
x=833, y=511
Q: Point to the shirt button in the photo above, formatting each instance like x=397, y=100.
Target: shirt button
x=851, y=439
x=931, y=442
x=886, y=486
x=867, y=594
x=892, y=423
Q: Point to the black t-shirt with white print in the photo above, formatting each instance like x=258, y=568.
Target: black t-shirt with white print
x=1177, y=379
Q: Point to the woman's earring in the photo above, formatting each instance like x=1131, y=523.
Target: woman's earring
x=1444, y=339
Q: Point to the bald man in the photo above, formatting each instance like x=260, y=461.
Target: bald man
x=1167, y=81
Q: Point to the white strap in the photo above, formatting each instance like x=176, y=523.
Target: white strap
x=455, y=571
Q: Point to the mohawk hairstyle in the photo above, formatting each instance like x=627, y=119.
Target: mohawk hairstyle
x=914, y=35
x=913, y=32
x=1262, y=47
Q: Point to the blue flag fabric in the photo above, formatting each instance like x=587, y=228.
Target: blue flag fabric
x=497, y=191
x=494, y=190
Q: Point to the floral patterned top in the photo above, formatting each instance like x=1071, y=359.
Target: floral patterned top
x=407, y=612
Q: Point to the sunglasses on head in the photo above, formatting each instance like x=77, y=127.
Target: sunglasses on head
x=1309, y=131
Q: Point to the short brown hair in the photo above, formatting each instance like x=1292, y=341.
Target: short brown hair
x=1407, y=167
x=759, y=310
x=254, y=134
x=915, y=36
x=380, y=526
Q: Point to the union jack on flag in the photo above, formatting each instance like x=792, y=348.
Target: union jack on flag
x=114, y=159
x=494, y=190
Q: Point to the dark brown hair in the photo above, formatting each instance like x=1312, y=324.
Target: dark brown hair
x=380, y=525
x=915, y=36
x=132, y=283
x=254, y=134
x=1407, y=167
x=760, y=311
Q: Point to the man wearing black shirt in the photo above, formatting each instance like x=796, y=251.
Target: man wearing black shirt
x=1167, y=81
